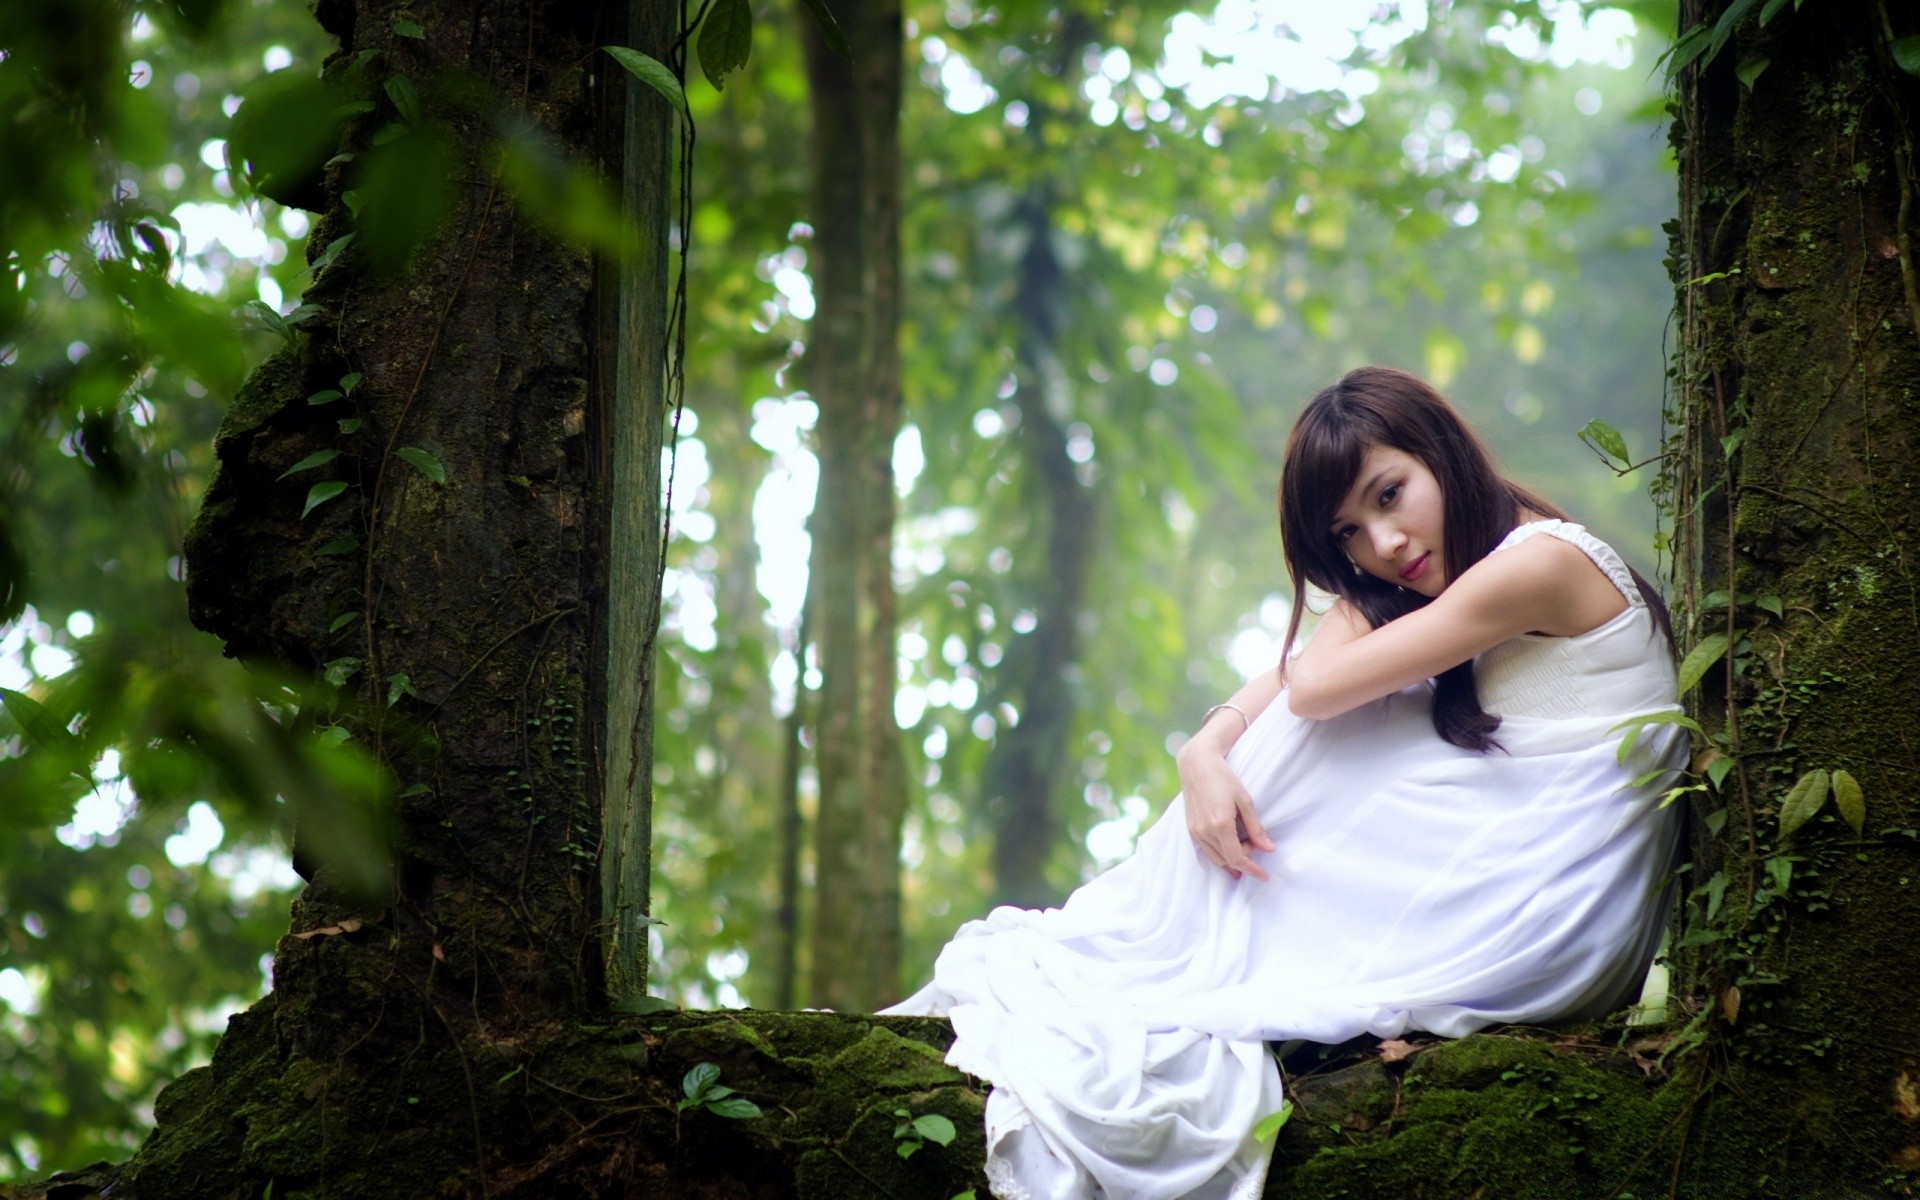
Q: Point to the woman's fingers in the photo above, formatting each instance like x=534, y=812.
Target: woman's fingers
x=1254, y=833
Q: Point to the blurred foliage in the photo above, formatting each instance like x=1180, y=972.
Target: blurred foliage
x=1481, y=215
x=128, y=931
x=1484, y=217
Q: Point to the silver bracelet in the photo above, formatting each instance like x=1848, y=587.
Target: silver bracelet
x=1233, y=707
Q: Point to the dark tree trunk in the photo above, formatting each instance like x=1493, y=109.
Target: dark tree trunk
x=1798, y=366
x=853, y=365
x=1020, y=784
x=501, y=651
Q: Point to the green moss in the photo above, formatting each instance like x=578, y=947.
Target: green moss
x=1491, y=1115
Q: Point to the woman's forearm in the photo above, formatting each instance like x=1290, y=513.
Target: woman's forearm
x=1220, y=731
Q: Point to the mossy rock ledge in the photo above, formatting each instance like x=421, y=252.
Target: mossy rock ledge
x=594, y=1111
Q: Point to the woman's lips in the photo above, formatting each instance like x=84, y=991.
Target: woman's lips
x=1416, y=568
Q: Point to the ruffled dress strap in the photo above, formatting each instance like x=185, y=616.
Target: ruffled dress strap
x=1603, y=555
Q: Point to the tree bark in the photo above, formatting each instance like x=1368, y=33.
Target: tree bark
x=1799, y=357
x=1020, y=784
x=501, y=624
x=853, y=365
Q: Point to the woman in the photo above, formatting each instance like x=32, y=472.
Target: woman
x=1421, y=821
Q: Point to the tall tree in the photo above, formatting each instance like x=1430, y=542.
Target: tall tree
x=1799, y=347
x=422, y=497
x=853, y=371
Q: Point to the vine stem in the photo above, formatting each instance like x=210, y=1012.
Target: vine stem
x=1731, y=485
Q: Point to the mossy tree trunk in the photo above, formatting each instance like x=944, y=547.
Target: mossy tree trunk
x=1799, y=361
x=853, y=372
x=484, y=585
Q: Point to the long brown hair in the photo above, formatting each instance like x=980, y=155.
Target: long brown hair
x=1379, y=406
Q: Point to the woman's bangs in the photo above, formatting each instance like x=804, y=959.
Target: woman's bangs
x=1325, y=463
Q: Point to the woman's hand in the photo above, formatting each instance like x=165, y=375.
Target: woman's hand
x=1220, y=816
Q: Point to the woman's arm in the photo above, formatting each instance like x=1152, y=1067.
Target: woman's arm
x=1543, y=584
x=1220, y=813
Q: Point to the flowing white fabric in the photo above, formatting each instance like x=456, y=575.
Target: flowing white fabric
x=1415, y=885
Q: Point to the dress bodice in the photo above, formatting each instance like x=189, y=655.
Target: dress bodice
x=1622, y=665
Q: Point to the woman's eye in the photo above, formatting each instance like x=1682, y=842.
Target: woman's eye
x=1344, y=534
x=1390, y=494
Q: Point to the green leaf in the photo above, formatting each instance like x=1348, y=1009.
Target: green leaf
x=1606, y=439
x=408, y=29
x=1691, y=45
x=320, y=493
x=1270, y=1125
x=966, y=1195
x=340, y=670
x=1635, y=726
x=725, y=39
x=935, y=1128
x=1780, y=872
x=1751, y=69
x=1716, y=892
x=738, y=1108
x=427, y=464
x=909, y=1148
x=342, y=621
x=1716, y=821
x=1731, y=443
x=1718, y=768
x=331, y=254
x=1773, y=605
x=1850, y=801
x=829, y=28
x=323, y=397
x=640, y=1006
x=319, y=458
x=699, y=1079
x=1704, y=654
x=1803, y=801
x=351, y=425
x=1772, y=10
x=418, y=789
x=397, y=686
x=40, y=725
x=405, y=97
x=1906, y=53
x=650, y=72
x=350, y=381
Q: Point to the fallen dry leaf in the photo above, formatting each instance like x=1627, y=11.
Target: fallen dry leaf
x=346, y=926
x=1394, y=1050
x=1906, y=1097
x=1730, y=1005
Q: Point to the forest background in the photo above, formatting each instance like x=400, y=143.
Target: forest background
x=1241, y=203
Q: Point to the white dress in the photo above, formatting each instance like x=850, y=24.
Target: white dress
x=1415, y=885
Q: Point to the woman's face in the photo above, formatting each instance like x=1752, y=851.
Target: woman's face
x=1391, y=522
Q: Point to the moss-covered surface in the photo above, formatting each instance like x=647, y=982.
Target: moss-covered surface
x=1495, y=1116
x=593, y=1111
x=578, y=1111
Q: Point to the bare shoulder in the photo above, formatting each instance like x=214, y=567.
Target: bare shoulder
x=1554, y=579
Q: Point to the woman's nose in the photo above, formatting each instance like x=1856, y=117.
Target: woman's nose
x=1387, y=540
